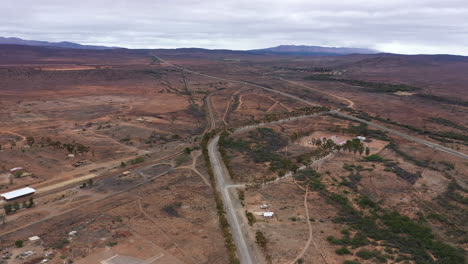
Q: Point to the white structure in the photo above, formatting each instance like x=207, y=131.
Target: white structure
x=268, y=214
x=361, y=138
x=264, y=206
x=16, y=169
x=34, y=238
x=18, y=193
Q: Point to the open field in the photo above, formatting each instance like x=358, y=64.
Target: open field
x=113, y=142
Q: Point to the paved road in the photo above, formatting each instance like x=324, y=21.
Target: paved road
x=245, y=251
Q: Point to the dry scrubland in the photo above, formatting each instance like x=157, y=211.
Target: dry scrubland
x=77, y=121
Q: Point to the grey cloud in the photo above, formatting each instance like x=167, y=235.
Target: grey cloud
x=416, y=26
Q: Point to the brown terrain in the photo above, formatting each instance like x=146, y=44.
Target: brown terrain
x=112, y=142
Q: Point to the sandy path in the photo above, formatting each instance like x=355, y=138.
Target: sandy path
x=193, y=167
x=310, y=240
x=350, y=103
x=227, y=109
x=155, y=222
x=83, y=205
x=23, y=138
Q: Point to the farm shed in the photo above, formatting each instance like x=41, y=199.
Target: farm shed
x=18, y=193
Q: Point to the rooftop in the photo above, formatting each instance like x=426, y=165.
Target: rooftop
x=18, y=193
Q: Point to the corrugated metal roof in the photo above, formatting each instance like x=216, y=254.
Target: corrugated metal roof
x=18, y=193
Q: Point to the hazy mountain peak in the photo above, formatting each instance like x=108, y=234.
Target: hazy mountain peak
x=314, y=50
x=62, y=44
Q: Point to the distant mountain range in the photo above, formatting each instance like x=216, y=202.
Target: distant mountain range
x=312, y=50
x=283, y=49
x=63, y=44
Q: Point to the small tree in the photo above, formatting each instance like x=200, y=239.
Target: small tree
x=19, y=243
x=250, y=218
x=260, y=239
x=8, y=208
x=16, y=206
x=367, y=151
x=30, y=141
x=31, y=202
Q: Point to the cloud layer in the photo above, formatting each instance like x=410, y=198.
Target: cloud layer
x=399, y=26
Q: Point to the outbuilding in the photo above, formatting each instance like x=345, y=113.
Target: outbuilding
x=268, y=214
x=16, y=169
x=18, y=193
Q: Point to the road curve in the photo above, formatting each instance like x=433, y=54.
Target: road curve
x=245, y=252
x=415, y=139
x=350, y=103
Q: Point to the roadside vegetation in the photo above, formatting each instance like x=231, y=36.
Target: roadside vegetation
x=226, y=228
x=440, y=136
x=371, y=86
x=372, y=227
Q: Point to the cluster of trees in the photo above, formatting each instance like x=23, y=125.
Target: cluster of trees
x=262, y=146
x=250, y=218
x=440, y=136
x=72, y=148
x=327, y=146
x=413, y=240
x=271, y=117
x=12, y=208
x=372, y=86
x=261, y=240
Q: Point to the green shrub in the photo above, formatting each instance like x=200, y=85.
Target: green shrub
x=365, y=254
x=374, y=158
x=351, y=262
x=19, y=243
x=343, y=251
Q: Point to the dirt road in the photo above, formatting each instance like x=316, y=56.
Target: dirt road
x=350, y=103
x=415, y=139
x=418, y=140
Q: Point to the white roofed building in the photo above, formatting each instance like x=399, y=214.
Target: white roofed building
x=268, y=214
x=18, y=193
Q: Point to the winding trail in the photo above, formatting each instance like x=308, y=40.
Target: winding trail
x=227, y=109
x=23, y=138
x=310, y=240
x=417, y=140
x=193, y=167
x=155, y=223
x=247, y=253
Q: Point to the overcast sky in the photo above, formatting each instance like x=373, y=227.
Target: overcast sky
x=398, y=26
